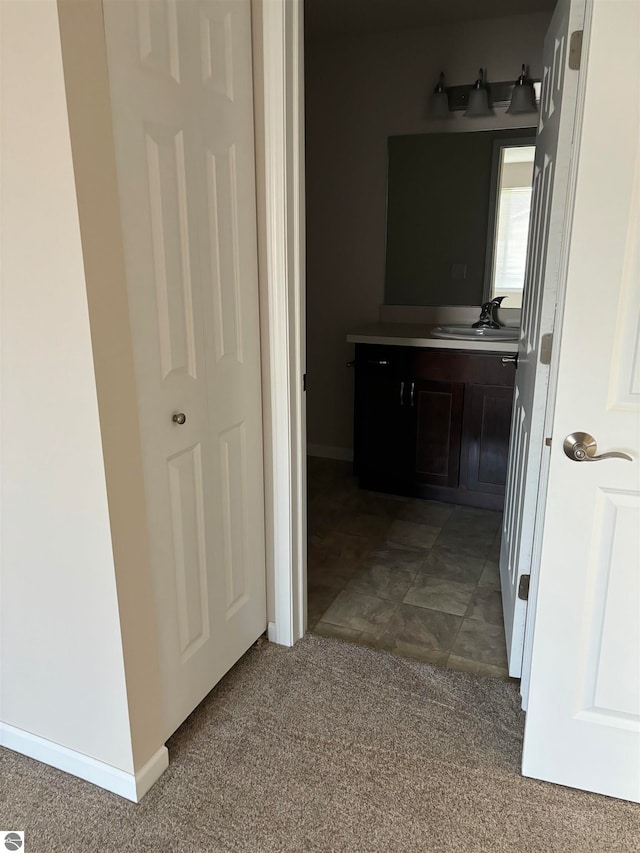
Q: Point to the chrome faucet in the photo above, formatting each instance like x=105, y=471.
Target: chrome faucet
x=487, y=318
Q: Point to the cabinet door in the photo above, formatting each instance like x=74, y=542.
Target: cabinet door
x=382, y=441
x=438, y=414
x=488, y=424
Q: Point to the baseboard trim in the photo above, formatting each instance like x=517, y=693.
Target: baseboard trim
x=325, y=451
x=128, y=785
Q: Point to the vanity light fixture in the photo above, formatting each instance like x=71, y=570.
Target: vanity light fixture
x=479, y=99
x=478, y=105
x=523, y=99
x=440, y=99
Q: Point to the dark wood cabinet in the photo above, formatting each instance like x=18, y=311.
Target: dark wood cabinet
x=433, y=423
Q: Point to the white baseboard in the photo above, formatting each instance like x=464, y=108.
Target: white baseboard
x=128, y=785
x=345, y=454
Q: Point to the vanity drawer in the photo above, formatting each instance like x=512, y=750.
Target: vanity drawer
x=457, y=366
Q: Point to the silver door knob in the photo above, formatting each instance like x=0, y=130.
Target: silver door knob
x=179, y=418
x=582, y=447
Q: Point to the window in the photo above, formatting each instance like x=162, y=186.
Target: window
x=509, y=236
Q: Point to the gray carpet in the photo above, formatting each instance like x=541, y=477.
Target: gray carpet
x=329, y=747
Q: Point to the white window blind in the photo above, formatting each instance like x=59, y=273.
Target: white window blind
x=511, y=240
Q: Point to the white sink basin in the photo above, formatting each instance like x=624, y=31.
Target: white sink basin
x=468, y=333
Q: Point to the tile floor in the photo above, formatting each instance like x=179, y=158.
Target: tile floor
x=418, y=578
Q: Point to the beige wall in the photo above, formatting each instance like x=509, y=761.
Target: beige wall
x=91, y=134
x=78, y=644
x=359, y=91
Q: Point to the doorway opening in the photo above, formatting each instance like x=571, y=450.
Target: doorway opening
x=410, y=563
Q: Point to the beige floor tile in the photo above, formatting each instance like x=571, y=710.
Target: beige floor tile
x=443, y=562
x=403, y=559
x=363, y=524
x=360, y=612
x=431, y=513
x=438, y=594
x=490, y=577
x=481, y=642
x=486, y=606
x=339, y=632
x=407, y=534
x=382, y=581
x=476, y=667
x=319, y=598
x=423, y=627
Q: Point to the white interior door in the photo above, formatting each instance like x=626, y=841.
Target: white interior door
x=182, y=101
x=550, y=185
x=583, y=717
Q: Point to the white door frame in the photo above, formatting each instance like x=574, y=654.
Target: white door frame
x=279, y=108
x=279, y=76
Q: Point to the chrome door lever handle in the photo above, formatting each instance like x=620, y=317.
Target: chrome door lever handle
x=582, y=447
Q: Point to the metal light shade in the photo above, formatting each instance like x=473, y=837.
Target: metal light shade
x=440, y=105
x=440, y=99
x=523, y=99
x=478, y=105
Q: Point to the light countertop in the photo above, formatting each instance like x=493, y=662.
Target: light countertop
x=419, y=335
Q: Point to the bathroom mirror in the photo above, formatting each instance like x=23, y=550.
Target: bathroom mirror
x=452, y=225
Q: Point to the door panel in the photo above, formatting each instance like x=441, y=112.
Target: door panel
x=189, y=547
x=583, y=717
x=438, y=429
x=550, y=187
x=182, y=101
x=489, y=425
x=384, y=440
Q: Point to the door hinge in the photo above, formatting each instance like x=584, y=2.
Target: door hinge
x=547, y=442
x=575, y=50
x=546, y=345
x=304, y=381
x=523, y=587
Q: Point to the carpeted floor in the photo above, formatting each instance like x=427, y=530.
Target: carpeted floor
x=329, y=747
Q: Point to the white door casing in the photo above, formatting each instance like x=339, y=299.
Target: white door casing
x=583, y=718
x=550, y=188
x=279, y=99
x=182, y=102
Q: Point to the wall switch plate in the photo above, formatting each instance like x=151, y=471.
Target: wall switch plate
x=458, y=271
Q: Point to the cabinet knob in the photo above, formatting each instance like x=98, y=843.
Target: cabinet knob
x=179, y=418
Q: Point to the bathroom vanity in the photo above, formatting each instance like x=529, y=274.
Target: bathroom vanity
x=432, y=416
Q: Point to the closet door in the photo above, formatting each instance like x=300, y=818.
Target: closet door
x=182, y=102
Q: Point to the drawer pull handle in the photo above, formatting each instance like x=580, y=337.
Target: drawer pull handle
x=413, y=388
x=402, y=393
x=380, y=363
